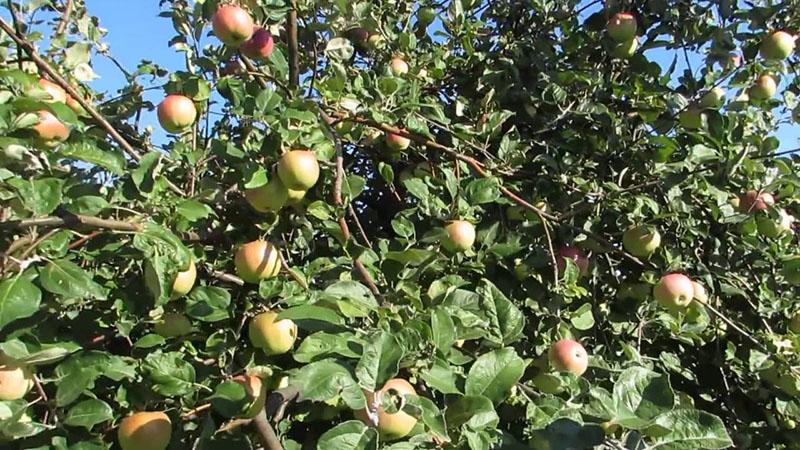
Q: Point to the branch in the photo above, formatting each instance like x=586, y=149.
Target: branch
x=62, y=25
x=220, y=275
x=265, y=432
x=294, y=276
x=72, y=221
x=361, y=231
x=291, y=33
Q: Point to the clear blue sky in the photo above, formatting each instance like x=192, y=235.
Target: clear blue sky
x=135, y=32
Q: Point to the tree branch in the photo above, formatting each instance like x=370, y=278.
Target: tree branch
x=62, y=25
x=265, y=432
x=294, y=57
x=71, y=221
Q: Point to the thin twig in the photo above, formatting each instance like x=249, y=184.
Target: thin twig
x=294, y=54
x=72, y=220
x=291, y=272
x=220, y=275
x=62, y=25
x=361, y=231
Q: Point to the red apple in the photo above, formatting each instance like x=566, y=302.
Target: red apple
x=576, y=255
x=755, y=201
x=622, y=27
x=568, y=355
x=50, y=131
x=232, y=25
x=298, y=169
x=778, y=45
x=259, y=46
x=460, y=236
x=176, y=113
x=56, y=92
x=764, y=88
x=674, y=291
x=256, y=261
x=396, y=142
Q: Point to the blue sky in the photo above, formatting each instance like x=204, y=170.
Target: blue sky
x=135, y=32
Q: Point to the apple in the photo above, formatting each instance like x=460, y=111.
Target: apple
x=176, y=113
x=257, y=260
x=374, y=40
x=274, y=337
x=15, y=379
x=568, y=355
x=791, y=270
x=173, y=325
x=771, y=228
x=360, y=37
x=521, y=269
x=50, y=131
x=426, y=15
x=295, y=197
x=691, y=119
x=712, y=99
x=298, y=169
x=699, y=292
x=398, y=66
x=764, y=88
x=626, y=49
x=145, y=431
x=576, y=255
x=641, y=240
x=232, y=25
x=256, y=393
x=794, y=323
x=181, y=284
x=56, y=92
x=460, y=236
x=397, y=142
x=622, y=27
x=755, y=201
x=393, y=424
x=674, y=291
x=259, y=46
x=778, y=45
x=269, y=197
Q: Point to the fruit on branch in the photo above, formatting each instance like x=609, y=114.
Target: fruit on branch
x=298, y=169
x=173, y=325
x=773, y=228
x=460, y=236
x=269, y=197
x=674, y=291
x=791, y=270
x=259, y=46
x=176, y=113
x=764, y=88
x=50, y=131
x=641, y=241
x=699, y=292
x=393, y=423
x=732, y=62
x=257, y=260
x=398, y=66
x=274, y=337
x=622, y=27
x=754, y=201
x=625, y=49
x=182, y=282
x=519, y=212
x=712, y=99
x=232, y=25
x=15, y=379
x=794, y=323
x=568, y=355
x=294, y=197
x=691, y=119
x=56, y=92
x=777, y=46
x=576, y=255
x=145, y=431
x=256, y=392
x=426, y=15
x=397, y=142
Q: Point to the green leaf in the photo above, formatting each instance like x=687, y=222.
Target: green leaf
x=88, y=152
x=379, y=361
x=483, y=190
x=350, y=435
x=208, y=303
x=19, y=298
x=494, y=374
x=691, y=429
x=477, y=412
x=193, y=210
x=324, y=380
x=41, y=197
x=640, y=395
x=582, y=318
x=89, y=413
x=65, y=278
x=170, y=373
x=311, y=312
x=566, y=434
x=230, y=399
x=323, y=345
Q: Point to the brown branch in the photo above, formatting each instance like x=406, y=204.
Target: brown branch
x=220, y=275
x=84, y=239
x=40, y=390
x=733, y=325
x=294, y=55
x=361, y=231
x=294, y=276
x=71, y=221
x=62, y=25
x=192, y=413
x=265, y=432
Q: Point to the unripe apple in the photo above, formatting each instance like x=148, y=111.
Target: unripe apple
x=626, y=49
x=754, y=201
x=622, y=27
x=173, y=325
x=794, y=323
x=712, y=99
x=298, y=169
x=791, y=270
x=256, y=393
x=699, y=292
x=269, y=197
x=15, y=380
x=777, y=46
x=176, y=113
x=390, y=425
x=398, y=66
x=256, y=261
x=460, y=236
x=374, y=40
x=764, y=88
x=691, y=119
x=295, y=197
x=274, y=337
x=181, y=284
x=568, y=355
x=145, y=431
x=56, y=92
x=674, y=291
x=641, y=240
x=50, y=131
x=772, y=228
x=576, y=255
x=259, y=46
x=396, y=142
x=426, y=15
x=232, y=25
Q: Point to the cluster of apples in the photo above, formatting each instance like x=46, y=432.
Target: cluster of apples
x=297, y=172
x=622, y=28
x=49, y=130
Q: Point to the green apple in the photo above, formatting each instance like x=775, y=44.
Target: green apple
x=777, y=46
x=298, y=169
x=773, y=228
x=256, y=261
x=275, y=337
x=641, y=240
x=622, y=27
x=460, y=236
x=794, y=323
x=269, y=197
x=691, y=119
x=712, y=99
x=395, y=423
x=764, y=88
x=15, y=379
x=173, y=325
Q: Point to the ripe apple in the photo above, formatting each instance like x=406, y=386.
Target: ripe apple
x=772, y=228
x=460, y=236
x=398, y=66
x=393, y=424
x=269, y=197
x=568, y=355
x=712, y=99
x=699, y=292
x=275, y=338
x=56, y=92
x=173, y=325
x=15, y=380
x=576, y=255
x=764, y=88
x=626, y=49
x=259, y=46
x=691, y=119
x=176, y=113
x=778, y=45
x=622, y=27
x=256, y=261
x=298, y=169
x=295, y=197
x=755, y=201
x=145, y=431
x=232, y=25
x=791, y=270
x=50, y=131
x=181, y=285
x=674, y=291
x=396, y=142
x=641, y=240
x=256, y=393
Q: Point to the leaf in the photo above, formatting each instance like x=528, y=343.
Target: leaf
x=430, y=414
x=507, y=320
x=323, y=345
x=566, y=434
x=691, y=429
x=19, y=298
x=208, y=303
x=323, y=380
x=582, y=318
x=379, y=361
x=494, y=374
x=477, y=412
x=89, y=413
x=483, y=190
x=440, y=376
x=65, y=278
x=193, y=210
x=311, y=312
x=88, y=152
x=350, y=435
x=339, y=49
x=41, y=197
x=640, y=395
x=230, y=399
x=170, y=373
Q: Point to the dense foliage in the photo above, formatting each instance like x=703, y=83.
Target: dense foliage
x=126, y=285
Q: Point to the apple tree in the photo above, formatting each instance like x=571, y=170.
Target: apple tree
x=463, y=224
